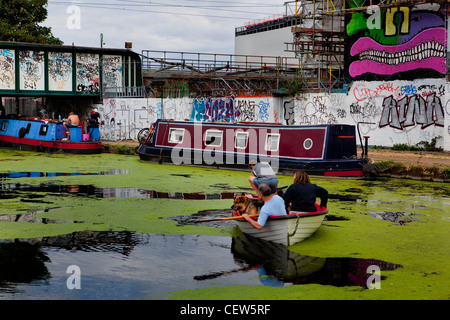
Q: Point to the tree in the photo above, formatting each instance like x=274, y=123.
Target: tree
x=19, y=21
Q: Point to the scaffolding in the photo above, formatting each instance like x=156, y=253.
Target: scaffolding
x=318, y=43
x=319, y=36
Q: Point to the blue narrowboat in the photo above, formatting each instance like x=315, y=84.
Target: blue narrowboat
x=327, y=150
x=34, y=133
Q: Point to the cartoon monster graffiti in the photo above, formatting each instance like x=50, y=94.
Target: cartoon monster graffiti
x=396, y=42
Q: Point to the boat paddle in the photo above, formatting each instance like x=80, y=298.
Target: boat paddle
x=227, y=218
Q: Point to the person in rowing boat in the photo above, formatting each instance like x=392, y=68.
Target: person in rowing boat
x=262, y=173
x=273, y=206
x=301, y=195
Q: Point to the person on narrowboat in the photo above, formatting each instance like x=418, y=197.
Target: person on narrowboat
x=262, y=173
x=273, y=206
x=301, y=195
x=72, y=121
x=94, y=121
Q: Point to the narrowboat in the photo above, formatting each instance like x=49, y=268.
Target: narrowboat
x=325, y=150
x=286, y=229
x=40, y=134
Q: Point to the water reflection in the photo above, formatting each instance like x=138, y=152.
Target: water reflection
x=36, y=174
x=128, y=265
x=277, y=265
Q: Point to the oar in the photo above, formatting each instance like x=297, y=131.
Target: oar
x=227, y=218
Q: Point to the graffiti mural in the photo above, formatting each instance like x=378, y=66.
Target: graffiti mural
x=87, y=72
x=112, y=71
x=233, y=109
x=412, y=110
x=60, y=71
x=214, y=110
x=7, y=69
x=393, y=112
x=31, y=65
x=396, y=42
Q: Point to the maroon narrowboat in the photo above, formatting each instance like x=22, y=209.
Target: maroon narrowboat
x=328, y=150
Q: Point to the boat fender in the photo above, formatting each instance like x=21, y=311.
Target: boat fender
x=22, y=132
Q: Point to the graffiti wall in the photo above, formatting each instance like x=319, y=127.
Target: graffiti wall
x=398, y=111
x=127, y=116
x=446, y=130
x=233, y=110
x=60, y=71
x=47, y=70
x=398, y=42
x=31, y=65
x=7, y=69
x=394, y=112
x=88, y=75
x=112, y=71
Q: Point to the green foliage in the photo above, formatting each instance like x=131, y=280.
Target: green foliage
x=445, y=174
x=294, y=87
x=20, y=19
x=404, y=147
x=121, y=149
x=430, y=146
x=382, y=166
x=421, y=146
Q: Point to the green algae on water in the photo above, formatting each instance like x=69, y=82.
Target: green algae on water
x=420, y=245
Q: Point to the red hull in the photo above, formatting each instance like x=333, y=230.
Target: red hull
x=64, y=146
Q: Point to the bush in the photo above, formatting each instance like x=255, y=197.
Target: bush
x=405, y=147
x=445, y=174
x=382, y=166
x=122, y=149
x=430, y=146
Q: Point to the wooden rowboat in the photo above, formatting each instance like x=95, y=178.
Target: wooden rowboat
x=286, y=229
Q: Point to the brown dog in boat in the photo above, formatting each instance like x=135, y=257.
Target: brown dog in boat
x=244, y=204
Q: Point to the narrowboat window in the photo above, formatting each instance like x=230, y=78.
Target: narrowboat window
x=4, y=126
x=176, y=135
x=272, y=141
x=44, y=129
x=241, y=140
x=213, y=138
x=307, y=144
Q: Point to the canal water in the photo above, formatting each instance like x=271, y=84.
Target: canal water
x=112, y=227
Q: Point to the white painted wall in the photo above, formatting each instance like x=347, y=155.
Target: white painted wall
x=256, y=43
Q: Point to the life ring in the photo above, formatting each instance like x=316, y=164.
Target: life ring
x=22, y=132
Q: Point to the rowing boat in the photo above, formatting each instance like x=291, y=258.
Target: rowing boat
x=286, y=229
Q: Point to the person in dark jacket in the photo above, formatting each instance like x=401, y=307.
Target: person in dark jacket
x=301, y=195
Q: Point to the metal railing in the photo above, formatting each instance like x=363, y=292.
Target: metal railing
x=124, y=92
x=216, y=64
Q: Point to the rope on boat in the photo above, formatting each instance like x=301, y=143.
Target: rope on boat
x=296, y=226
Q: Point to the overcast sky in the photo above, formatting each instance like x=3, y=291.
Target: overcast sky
x=166, y=25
